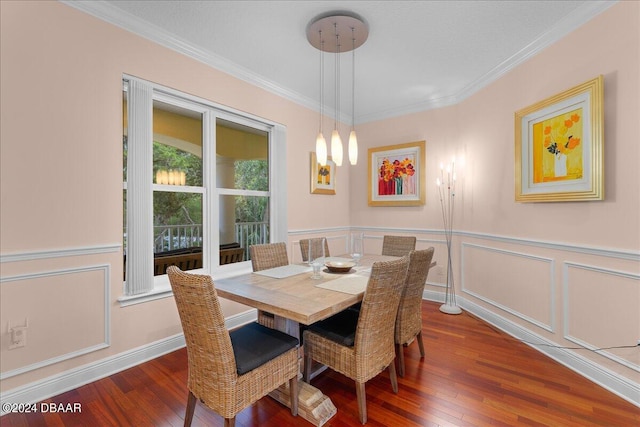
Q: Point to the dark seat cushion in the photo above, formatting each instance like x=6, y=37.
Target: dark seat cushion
x=254, y=345
x=340, y=327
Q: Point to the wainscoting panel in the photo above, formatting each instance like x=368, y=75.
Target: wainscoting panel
x=59, y=327
x=518, y=283
x=598, y=312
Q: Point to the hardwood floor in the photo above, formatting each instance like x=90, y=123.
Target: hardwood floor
x=472, y=375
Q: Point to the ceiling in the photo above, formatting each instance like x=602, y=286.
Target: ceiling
x=419, y=54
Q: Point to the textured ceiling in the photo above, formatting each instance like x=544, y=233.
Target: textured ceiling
x=419, y=54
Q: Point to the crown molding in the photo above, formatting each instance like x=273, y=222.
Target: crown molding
x=557, y=32
x=106, y=12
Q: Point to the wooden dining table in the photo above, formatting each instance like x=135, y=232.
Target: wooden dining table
x=299, y=299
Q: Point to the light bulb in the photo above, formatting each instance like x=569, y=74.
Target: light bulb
x=321, y=149
x=336, y=147
x=353, y=148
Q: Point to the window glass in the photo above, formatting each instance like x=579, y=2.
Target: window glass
x=247, y=151
x=246, y=220
x=177, y=206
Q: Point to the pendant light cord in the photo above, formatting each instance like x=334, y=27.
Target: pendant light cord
x=337, y=72
x=353, y=79
x=321, y=79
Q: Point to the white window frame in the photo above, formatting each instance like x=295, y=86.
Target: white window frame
x=149, y=287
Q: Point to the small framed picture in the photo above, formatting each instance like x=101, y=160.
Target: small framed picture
x=396, y=175
x=323, y=178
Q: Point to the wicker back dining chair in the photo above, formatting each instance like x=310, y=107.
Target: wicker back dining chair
x=409, y=320
x=229, y=371
x=264, y=257
x=398, y=245
x=268, y=255
x=360, y=344
x=304, y=247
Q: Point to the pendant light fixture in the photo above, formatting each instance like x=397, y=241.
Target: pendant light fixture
x=345, y=24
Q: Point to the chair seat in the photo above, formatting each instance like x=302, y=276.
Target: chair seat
x=254, y=345
x=340, y=327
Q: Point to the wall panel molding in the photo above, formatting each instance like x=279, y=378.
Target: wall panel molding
x=106, y=292
x=567, y=266
x=590, y=250
x=551, y=326
x=60, y=253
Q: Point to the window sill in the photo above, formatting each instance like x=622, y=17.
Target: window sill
x=158, y=292
x=162, y=287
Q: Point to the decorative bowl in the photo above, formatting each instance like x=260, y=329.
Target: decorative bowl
x=340, y=266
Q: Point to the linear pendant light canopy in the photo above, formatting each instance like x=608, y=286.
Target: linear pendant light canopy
x=337, y=32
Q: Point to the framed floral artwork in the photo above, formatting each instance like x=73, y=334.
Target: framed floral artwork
x=323, y=178
x=396, y=175
x=559, y=146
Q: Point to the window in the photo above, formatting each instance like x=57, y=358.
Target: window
x=200, y=184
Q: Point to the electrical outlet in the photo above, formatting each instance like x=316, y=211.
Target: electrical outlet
x=18, y=335
x=639, y=342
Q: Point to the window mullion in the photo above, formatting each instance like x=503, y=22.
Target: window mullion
x=210, y=214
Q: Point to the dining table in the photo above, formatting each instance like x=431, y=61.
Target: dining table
x=295, y=298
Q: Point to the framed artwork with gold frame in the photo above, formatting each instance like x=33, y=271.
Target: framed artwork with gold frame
x=396, y=175
x=323, y=178
x=559, y=146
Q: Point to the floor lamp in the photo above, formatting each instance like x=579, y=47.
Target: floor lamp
x=447, y=198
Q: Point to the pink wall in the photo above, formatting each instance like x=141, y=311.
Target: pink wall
x=61, y=182
x=481, y=128
x=567, y=272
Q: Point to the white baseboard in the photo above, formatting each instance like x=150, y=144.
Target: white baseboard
x=74, y=378
x=623, y=387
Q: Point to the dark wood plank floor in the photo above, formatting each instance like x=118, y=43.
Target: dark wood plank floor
x=472, y=375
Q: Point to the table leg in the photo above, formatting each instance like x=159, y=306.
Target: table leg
x=313, y=405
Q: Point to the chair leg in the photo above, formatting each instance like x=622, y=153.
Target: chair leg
x=230, y=422
x=393, y=376
x=293, y=394
x=362, y=402
x=191, y=406
x=306, y=370
x=420, y=344
x=400, y=357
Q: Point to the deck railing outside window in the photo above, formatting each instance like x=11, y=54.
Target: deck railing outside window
x=170, y=237
x=173, y=237
x=251, y=233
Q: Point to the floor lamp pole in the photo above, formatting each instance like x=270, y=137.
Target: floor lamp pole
x=447, y=199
